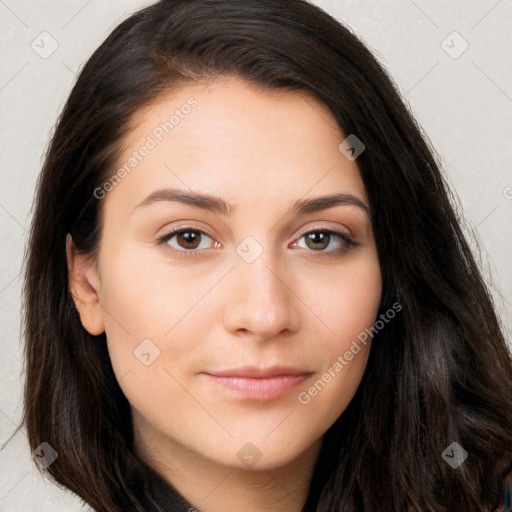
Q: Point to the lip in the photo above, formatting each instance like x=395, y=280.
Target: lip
x=257, y=372
x=262, y=384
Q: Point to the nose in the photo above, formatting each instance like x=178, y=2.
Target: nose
x=259, y=303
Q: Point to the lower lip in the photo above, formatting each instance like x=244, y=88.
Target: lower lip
x=262, y=389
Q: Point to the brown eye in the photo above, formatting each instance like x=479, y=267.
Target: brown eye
x=326, y=241
x=188, y=239
x=317, y=240
x=185, y=240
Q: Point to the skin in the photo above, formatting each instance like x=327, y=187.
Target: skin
x=294, y=304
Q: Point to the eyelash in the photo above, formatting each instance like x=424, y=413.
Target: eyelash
x=347, y=240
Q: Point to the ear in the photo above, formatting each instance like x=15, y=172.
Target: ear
x=84, y=285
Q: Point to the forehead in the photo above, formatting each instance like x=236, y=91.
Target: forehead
x=232, y=139
x=237, y=109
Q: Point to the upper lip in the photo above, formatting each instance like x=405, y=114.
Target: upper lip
x=256, y=372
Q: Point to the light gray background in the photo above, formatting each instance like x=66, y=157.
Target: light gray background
x=464, y=104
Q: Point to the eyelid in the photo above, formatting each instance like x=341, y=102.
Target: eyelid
x=184, y=227
x=324, y=227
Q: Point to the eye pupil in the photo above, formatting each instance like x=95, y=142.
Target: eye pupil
x=317, y=238
x=189, y=237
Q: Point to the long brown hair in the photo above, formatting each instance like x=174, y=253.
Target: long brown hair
x=440, y=373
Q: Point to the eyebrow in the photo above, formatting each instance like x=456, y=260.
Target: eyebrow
x=218, y=205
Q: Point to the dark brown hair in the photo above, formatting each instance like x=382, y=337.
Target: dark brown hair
x=439, y=373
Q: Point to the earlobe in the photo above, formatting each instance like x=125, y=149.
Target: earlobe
x=84, y=286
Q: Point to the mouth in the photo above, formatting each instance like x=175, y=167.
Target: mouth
x=261, y=384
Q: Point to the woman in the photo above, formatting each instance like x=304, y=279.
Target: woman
x=246, y=287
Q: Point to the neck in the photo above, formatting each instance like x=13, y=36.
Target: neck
x=213, y=487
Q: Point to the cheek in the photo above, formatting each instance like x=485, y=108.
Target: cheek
x=346, y=301
x=349, y=303
x=358, y=301
x=144, y=297
x=151, y=312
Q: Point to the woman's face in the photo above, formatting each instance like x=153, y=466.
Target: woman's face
x=220, y=335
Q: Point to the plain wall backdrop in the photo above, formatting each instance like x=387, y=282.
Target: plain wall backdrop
x=450, y=60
